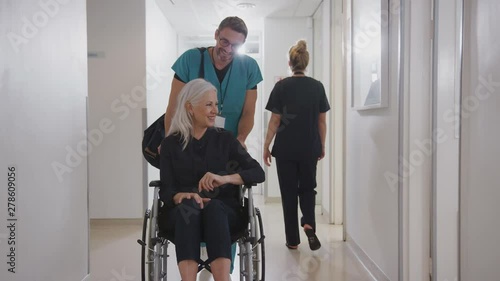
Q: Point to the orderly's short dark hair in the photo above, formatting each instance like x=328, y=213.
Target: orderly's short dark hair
x=236, y=24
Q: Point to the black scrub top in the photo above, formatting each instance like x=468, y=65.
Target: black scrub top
x=299, y=101
x=217, y=151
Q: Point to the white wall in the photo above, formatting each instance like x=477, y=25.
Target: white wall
x=317, y=51
x=161, y=53
x=117, y=94
x=255, y=140
x=417, y=142
x=480, y=226
x=372, y=152
x=337, y=102
x=322, y=72
x=446, y=159
x=43, y=86
x=279, y=35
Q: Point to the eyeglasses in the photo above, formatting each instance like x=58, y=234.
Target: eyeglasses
x=225, y=43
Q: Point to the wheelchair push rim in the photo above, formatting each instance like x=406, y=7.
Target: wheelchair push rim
x=153, y=250
x=259, y=253
x=262, y=248
x=252, y=253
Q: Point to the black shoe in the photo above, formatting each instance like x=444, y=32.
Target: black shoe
x=314, y=243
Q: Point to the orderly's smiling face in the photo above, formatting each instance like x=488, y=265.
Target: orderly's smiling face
x=228, y=42
x=204, y=113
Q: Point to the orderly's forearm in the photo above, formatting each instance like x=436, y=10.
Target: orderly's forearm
x=247, y=116
x=168, y=119
x=245, y=126
x=175, y=89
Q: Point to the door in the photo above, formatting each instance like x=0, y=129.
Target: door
x=480, y=136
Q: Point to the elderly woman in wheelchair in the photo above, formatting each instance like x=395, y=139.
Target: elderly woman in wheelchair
x=201, y=170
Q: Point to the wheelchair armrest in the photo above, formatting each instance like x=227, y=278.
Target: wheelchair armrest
x=243, y=189
x=249, y=185
x=155, y=183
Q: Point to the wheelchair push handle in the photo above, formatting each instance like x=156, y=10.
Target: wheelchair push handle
x=155, y=183
x=249, y=185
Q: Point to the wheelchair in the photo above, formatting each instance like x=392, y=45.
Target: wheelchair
x=250, y=242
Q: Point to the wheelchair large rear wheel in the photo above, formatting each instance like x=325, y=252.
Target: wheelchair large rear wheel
x=151, y=257
x=259, y=253
x=144, y=244
x=153, y=254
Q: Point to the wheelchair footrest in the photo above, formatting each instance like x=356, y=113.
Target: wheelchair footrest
x=142, y=243
x=157, y=240
x=204, y=265
x=249, y=239
x=261, y=239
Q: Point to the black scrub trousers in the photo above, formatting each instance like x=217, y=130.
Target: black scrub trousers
x=297, y=181
x=297, y=147
x=187, y=226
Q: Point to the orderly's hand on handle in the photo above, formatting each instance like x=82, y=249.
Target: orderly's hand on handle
x=188, y=195
x=242, y=142
x=210, y=181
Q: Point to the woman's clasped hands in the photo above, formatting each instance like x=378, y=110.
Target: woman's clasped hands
x=190, y=195
x=208, y=183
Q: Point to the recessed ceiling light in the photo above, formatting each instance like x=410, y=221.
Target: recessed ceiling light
x=245, y=5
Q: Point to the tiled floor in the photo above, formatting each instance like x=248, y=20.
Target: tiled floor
x=115, y=254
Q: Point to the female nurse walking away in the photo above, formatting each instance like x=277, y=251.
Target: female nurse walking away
x=298, y=105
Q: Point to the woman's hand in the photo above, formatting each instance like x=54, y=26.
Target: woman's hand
x=267, y=156
x=188, y=195
x=210, y=181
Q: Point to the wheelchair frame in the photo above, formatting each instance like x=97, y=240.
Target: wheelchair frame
x=251, y=245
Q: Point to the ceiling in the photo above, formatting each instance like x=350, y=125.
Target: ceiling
x=201, y=17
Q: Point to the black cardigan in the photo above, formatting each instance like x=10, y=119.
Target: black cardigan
x=217, y=151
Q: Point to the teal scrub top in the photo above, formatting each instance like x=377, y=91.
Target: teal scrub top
x=242, y=75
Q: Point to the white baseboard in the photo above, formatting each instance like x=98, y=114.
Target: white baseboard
x=324, y=212
x=368, y=263
x=86, y=278
x=106, y=222
x=278, y=200
x=272, y=200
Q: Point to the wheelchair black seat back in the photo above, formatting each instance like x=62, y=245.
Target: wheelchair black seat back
x=250, y=239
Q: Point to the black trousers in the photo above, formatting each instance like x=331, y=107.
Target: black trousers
x=297, y=181
x=187, y=226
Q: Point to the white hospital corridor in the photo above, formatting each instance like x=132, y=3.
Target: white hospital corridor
x=316, y=140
